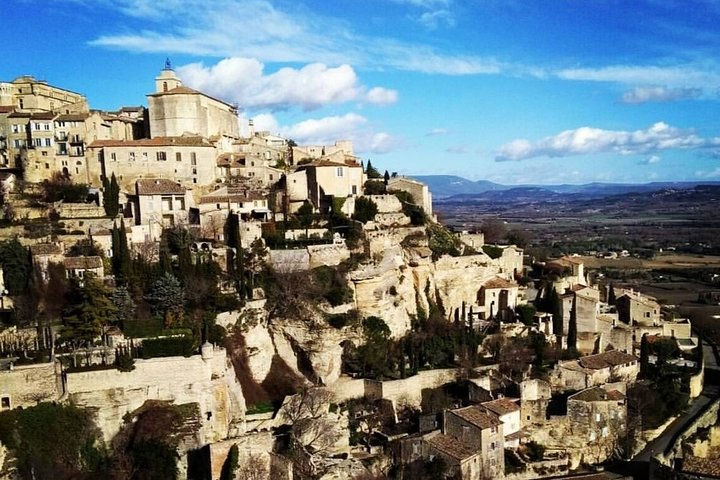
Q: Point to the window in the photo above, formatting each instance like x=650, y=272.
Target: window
x=167, y=203
x=354, y=189
x=161, y=156
x=17, y=143
x=37, y=142
x=113, y=157
x=178, y=156
x=47, y=126
x=145, y=156
x=17, y=128
x=492, y=445
x=597, y=417
x=193, y=158
x=5, y=403
x=48, y=142
x=339, y=172
x=44, y=153
x=131, y=156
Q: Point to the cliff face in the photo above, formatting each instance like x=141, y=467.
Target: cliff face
x=401, y=277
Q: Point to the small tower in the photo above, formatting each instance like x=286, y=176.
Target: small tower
x=167, y=80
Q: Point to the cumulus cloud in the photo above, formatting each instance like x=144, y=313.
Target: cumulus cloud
x=658, y=93
x=230, y=28
x=327, y=130
x=588, y=140
x=243, y=80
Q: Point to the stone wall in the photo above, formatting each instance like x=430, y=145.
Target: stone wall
x=408, y=391
x=210, y=382
x=386, y=203
x=27, y=385
x=254, y=450
x=80, y=210
x=330, y=255
x=290, y=260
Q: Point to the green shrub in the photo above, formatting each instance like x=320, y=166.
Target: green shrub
x=492, y=251
x=183, y=346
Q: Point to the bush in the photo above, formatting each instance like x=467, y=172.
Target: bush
x=340, y=320
x=442, y=242
x=492, y=251
x=365, y=210
x=183, y=346
x=374, y=187
x=535, y=451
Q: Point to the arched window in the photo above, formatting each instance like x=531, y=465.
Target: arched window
x=164, y=86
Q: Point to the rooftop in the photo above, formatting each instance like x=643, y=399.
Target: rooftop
x=497, y=282
x=477, y=416
x=46, y=249
x=157, y=186
x=451, y=447
x=82, y=263
x=186, y=141
x=501, y=406
x=598, y=394
x=608, y=359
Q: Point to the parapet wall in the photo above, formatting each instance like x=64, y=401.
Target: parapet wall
x=27, y=385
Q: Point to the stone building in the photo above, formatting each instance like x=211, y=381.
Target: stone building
x=461, y=460
x=496, y=297
x=597, y=414
x=160, y=202
x=189, y=160
x=176, y=110
x=595, y=370
x=80, y=267
x=31, y=95
x=634, y=308
x=419, y=192
x=535, y=395
x=482, y=432
x=333, y=177
x=508, y=412
x=306, y=153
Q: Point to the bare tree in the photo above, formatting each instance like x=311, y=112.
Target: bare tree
x=252, y=467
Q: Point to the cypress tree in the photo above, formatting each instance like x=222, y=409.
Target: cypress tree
x=124, y=262
x=553, y=304
x=111, y=197
x=165, y=262
x=387, y=177
x=572, y=327
x=644, y=356
x=611, y=295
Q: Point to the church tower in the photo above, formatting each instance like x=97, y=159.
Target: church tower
x=167, y=80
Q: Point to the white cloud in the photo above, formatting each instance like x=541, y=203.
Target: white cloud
x=677, y=76
x=327, y=130
x=381, y=96
x=457, y=150
x=587, y=140
x=658, y=93
x=433, y=20
x=708, y=173
x=231, y=28
x=436, y=132
x=243, y=81
x=651, y=160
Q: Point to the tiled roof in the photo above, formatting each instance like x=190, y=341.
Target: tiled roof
x=72, y=117
x=46, y=249
x=451, y=447
x=501, y=406
x=82, y=263
x=497, y=282
x=477, y=416
x=606, y=360
x=43, y=116
x=6, y=108
x=157, y=186
x=231, y=195
x=19, y=115
x=597, y=394
x=154, y=142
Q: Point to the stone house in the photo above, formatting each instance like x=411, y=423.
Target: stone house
x=461, y=460
x=597, y=415
x=495, y=297
x=188, y=159
x=160, y=203
x=570, y=271
x=80, y=267
x=419, y=191
x=535, y=395
x=333, y=177
x=314, y=152
x=248, y=165
x=482, y=432
x=249, y=205
x=45, y=253
x=634, y=308
x=595, y=370
x=508, y=412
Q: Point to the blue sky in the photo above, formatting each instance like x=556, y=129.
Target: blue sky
x=551, y=91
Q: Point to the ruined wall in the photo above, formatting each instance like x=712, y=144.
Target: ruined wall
x=254, y=451
x=289, y=260
x=330, y=255
x=386, y=203
x=26, y=385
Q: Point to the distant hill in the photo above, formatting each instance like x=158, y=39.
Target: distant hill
x=447, y=185
x=454, y=188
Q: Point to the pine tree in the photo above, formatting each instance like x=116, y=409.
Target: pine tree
x=89, y=311
x=167, y=298
x=111, y=197
x=572, y=327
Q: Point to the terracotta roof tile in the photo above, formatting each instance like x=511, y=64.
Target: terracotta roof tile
x=606, y=360
x=501, y=406
x=82, y=262
x=46, y=249
x=451, y=447
x=154, y=142
x=43, y=116
x=498, y=282
x=477, y=416
x=157, y=186
x=597, y=394
x=72, y=117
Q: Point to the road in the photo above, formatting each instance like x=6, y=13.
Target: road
x=711, y=391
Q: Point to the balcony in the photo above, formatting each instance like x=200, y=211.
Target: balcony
x=61, y=136
x=76, y=139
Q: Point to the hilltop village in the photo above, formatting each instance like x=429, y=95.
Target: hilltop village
x=182, y=301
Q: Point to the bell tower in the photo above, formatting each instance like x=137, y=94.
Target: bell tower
x=167, y=80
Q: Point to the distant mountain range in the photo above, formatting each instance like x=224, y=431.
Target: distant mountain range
x=454, y=188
